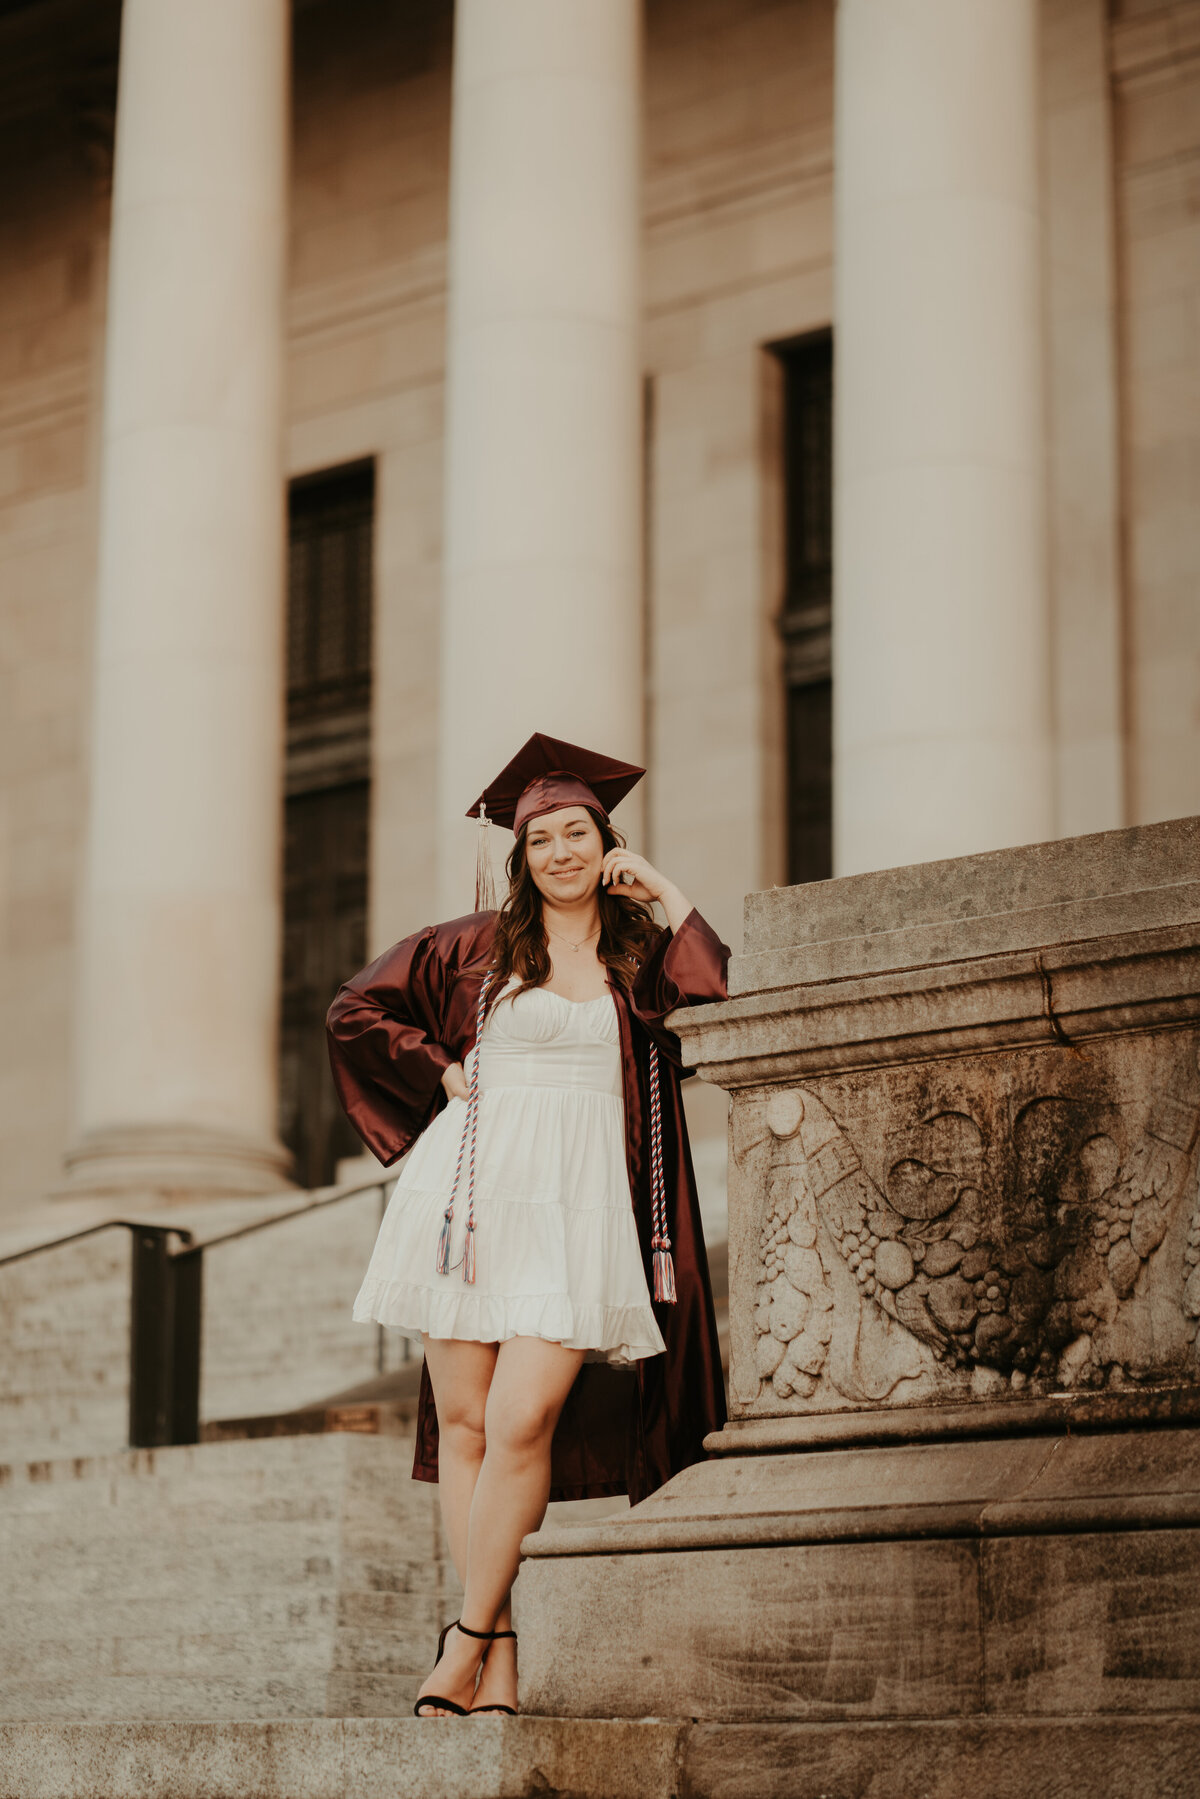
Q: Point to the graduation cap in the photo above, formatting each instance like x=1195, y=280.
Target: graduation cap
x=544, y=775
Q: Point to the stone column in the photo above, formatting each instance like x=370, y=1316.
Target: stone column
x=541, y=621
x=179, y=923
x=941, y=636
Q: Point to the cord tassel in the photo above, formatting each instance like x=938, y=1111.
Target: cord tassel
x=664, y=1274
x=469, y=1254
x=442, y=1262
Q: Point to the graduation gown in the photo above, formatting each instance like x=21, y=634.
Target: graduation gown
x=392, y=1032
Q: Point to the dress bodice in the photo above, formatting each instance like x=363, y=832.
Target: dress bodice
x=539, y=1039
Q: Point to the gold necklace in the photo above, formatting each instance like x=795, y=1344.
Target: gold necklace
x=569, y=940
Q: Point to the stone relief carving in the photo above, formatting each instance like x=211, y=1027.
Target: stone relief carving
x=1191, y=1269
x=794, y=1312
x=990, y=1247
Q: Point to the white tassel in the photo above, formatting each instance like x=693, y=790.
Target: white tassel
x=485, y=880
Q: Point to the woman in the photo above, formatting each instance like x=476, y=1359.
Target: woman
x=544, y=1238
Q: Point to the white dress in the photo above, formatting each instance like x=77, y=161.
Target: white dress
x=556, y=1243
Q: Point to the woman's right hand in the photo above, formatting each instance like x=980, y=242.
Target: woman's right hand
x=454, y=1080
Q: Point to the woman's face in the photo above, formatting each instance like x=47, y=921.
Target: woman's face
x=564, y=850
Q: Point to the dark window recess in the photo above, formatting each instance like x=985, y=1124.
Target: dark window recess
x=327, y=804
x=324, y=942
x=330, y=520
x=806, y=614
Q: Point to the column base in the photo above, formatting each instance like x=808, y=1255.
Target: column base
x=165, y=1163
x=1029, y=1578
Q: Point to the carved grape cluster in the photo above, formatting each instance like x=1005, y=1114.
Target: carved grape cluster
x=793, y=1312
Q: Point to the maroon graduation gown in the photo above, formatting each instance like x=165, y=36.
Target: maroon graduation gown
x=392, y=1031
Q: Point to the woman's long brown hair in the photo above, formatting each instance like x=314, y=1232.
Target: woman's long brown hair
x=627, y=926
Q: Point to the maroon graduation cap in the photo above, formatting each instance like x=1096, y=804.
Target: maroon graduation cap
x=544, y=775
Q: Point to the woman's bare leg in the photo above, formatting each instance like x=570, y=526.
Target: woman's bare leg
x=529, y=1386
x=460, y=1373
x=530, y=1382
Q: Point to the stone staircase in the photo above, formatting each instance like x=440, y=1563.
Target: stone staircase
x=252, y=1614
x=251, y=1617
x=283, y=1577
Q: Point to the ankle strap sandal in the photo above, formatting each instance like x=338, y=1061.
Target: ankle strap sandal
x=510, y=1710
x=449, y=1705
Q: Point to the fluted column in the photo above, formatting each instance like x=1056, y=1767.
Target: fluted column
x=179, y=923
x=941, y=639
x=541, y=621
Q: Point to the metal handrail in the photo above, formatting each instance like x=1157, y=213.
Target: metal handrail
x=265, y=1224
x=110, y=1224
x=186, y=1237
x=165, y=1313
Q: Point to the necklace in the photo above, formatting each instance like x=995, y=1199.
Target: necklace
x=570, y=940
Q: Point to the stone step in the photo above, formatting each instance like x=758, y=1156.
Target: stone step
x=64, y=1348
x=266, y=1577
x=1089, y=1757
x=223, y=1467
x=261, y=1629
x=286, y=1692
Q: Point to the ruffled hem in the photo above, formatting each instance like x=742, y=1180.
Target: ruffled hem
x=619, y=1335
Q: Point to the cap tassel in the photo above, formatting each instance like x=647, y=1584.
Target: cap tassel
x=485, y=880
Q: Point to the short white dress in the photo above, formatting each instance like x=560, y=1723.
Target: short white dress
x=557, y=1253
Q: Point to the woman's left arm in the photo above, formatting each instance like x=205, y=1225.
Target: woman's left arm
x=647, y=884
x=688, y=963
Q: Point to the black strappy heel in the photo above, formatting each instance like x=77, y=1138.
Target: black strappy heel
x=511, y=1710
x=448, y=1705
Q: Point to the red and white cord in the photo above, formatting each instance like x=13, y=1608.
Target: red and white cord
x=660, y=1242
x=470, y=1132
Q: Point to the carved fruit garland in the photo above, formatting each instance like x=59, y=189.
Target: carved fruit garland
x=1038, y=1306
x=793, y=1311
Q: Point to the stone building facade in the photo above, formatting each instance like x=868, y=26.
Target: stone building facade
x=548, y=305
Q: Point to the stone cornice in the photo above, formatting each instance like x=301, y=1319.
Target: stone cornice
x=1128, y=981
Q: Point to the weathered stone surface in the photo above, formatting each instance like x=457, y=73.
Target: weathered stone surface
x=1118, y=1635
x=1023, y=1215
x=817, y=1631
x=785, y=1586
x=278, y=1577
x=1137, y=979
x=1085, y=1758
x=1042, y=894
x=1088, y=1757
x=490, y=1758
x=988, y=1136
x=956, y=1488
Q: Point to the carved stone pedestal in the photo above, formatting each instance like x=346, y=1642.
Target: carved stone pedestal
x=959, y=1490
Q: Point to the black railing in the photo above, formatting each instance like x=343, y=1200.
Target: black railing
x=166, y=1314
